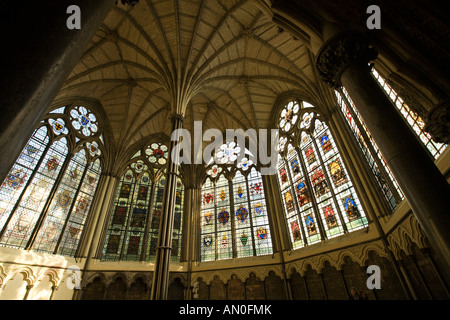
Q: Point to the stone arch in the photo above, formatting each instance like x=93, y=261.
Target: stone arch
x=143, y=276
x=217, y=290
x=354, y=253
x=117, y=288
x=256, y=271
x=16, y=284
x=43, y=286
x=89, y=278
x=298, y=285
x=3, y=276
x=266, y=272
x=28, y=275
x=417, y=232
x=274, y=287
x=235, y=288
x=116, y=276
x=201, y=289
x=409, y=243
x=303, y=266
x=333, y=282
x=94, y=288
x=324, y=261
x=254, y=287
x=314, y=284
x=367, y=249
x=394, y=246
x=139, y=288
x=54, y=276
x=177, y=288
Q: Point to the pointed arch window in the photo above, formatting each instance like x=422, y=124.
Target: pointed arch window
x=234, y=220
x=377, y=164
x=318, y=196
x=48, y=193
x=133, y=227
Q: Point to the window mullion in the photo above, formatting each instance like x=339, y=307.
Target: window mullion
x=66, y=222
x=297, y=207
x=233, y=222
x=87, y=225
x=323, y=234
x=333, y=194
x=250, y=212
x=130, y=214
x=148, y=222
x=216, y=242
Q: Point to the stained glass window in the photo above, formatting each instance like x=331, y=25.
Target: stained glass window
x=47, y=195
x=233, y=217
x=413, y=119
x=318, y=196
x=133, y=229
x=377, y=164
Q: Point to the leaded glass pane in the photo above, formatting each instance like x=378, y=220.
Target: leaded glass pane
x=208, y=221
x=82, y=206
x=135, y=232
x=21, y=172
x=367, y=151
x=119, y=215
x=60, y=205
x=413, y=119
x=313, y=180
x=38, y=199
x=156, y=216
x=234, y=221
x=32, y=203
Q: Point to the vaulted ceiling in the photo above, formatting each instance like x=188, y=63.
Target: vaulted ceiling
x=223, y=62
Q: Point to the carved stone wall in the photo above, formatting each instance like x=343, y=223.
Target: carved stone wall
x=32, y=282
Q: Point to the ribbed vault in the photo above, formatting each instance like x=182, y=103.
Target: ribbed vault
x=219, y=61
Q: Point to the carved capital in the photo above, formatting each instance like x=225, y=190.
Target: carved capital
x=337, y=54
x=177, y=117
x=438, y=122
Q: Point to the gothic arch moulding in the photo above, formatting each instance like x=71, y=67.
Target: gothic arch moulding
x=89, y=278
x=54, y=275
x=29, y=275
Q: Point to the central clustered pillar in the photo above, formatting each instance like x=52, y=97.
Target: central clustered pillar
x=164, y=246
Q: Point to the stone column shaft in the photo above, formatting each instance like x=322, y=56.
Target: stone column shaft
x=164, y=246
x=344, y=60
x=41, y=53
